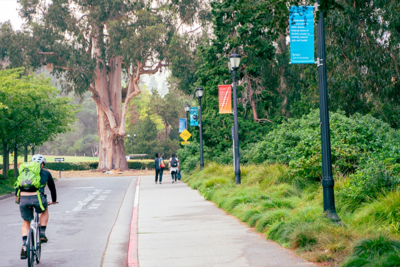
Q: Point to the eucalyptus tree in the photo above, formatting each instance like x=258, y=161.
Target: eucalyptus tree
x=94, y=44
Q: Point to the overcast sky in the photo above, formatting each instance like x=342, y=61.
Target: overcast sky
x=8, y=11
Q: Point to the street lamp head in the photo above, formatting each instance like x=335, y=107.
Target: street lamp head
x=235, y=61
x=187, y=107
x=199, y=92
x=128, y=135
x=229, y=65
x=134, y=135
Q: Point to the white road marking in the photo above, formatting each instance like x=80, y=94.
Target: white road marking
x=87, y=200
x=94, y=206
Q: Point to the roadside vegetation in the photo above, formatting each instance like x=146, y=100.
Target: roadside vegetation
x=281, y=193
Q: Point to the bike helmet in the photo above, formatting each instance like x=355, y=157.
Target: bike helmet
x=39, y=158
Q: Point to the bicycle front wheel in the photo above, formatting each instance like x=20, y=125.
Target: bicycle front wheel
x=30, y=249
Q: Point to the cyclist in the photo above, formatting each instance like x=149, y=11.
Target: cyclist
x=29, y=201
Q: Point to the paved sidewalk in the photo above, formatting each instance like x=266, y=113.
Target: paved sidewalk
x=179, y=228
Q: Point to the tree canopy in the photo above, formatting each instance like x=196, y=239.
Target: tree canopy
x=34, y=114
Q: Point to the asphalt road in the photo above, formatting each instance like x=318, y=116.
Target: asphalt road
x=79, y=227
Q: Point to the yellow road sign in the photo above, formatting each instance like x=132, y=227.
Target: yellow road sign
x=185, y=135
x=185, y=143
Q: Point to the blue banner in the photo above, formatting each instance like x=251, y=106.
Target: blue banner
x=182, y=125
x=194, y=117
x=301, y=24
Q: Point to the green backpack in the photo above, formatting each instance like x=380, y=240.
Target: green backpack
x=29, y=178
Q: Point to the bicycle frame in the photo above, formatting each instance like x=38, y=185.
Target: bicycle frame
x=34, y=242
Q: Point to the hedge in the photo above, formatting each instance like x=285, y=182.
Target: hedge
x=68, y=166
x=82, y=166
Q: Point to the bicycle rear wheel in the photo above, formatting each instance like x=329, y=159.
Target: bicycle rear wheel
x=30, y=249
x=38, y=245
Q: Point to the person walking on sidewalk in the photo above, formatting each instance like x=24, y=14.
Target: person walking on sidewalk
x=173, y=167
x=162, y=166
x=157, y=167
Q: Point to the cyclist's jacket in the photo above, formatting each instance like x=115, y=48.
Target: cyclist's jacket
x=45, y=178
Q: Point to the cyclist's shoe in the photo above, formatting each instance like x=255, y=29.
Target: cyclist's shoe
x=24, y=253
x=43, y=238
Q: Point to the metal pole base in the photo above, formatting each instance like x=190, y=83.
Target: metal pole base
x=332, y=215
x=237, y=177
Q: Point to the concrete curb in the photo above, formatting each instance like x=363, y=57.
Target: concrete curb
x=133, y=259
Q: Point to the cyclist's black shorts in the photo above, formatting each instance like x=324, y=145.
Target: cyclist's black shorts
x=28, y=203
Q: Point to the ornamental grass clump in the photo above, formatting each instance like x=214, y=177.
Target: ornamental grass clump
x=376, y=251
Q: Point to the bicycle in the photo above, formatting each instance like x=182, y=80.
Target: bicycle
x=33, y=242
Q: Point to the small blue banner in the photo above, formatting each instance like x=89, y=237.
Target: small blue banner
x=182, y=125
x=194, y=116
x=301, y=24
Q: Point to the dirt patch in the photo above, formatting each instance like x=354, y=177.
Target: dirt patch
x=91, y=173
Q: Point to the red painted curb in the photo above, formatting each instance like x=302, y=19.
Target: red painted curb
x=133, y=259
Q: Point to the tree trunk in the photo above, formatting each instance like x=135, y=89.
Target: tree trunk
x=33, y=150
x=26, y=153
x=282, y=49
x=109, y=116
x=111, y=113
x=5, y=158
x=15, y=161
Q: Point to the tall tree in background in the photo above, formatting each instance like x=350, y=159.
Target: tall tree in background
x=96, y=43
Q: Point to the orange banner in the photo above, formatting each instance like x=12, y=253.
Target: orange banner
x=225, y=99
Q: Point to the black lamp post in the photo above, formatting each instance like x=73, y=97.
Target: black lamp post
x=199, y=94
x=233, y=65
x=131, y=138
x=187, y=110
x=327, y=178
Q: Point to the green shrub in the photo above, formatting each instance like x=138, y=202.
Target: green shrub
x=10, y=173
x=135, y=165
x=374, y=178
x=68, y=166
x=93, y=165
x=297, y=143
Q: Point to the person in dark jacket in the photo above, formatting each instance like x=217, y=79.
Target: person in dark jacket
x=29, y=201
x=157, y=167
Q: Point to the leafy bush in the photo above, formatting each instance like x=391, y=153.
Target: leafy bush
x=10, y=173
x=68, y=166
x=298, y=143
x=93, y=165
x=373, y=178
x=135, y=165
